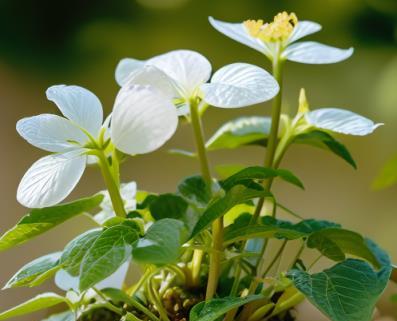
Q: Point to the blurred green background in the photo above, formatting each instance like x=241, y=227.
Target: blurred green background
x=46, y=42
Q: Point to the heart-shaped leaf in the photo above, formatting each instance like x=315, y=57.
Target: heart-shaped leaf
x=348, y=291
x=109, y=251
x=41, y=220
x=35, y=272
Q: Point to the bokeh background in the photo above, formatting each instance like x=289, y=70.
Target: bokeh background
x=45, y=42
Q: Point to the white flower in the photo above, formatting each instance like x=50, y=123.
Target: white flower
x=137, y=127
x=332, y=119
x=183, y=75
x=279, y=37
x=127, y=193
x=341, y=121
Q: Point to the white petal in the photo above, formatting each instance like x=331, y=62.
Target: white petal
x=51, y=179
x=124, y=69
x=66, y=282
x=151, y=75
x=341, y=121
x=239, y=85
x=188, y=69
x=303, y=29
x=142, y=120
x=238, y=32
x=310, y=52
x=50, y=132
x=79, y=105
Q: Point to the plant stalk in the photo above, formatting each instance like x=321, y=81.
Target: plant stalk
x=217, y=225
x=114, y=192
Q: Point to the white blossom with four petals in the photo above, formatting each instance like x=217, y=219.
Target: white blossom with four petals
x=142, y=120
x=307, y=52
x=184, y=75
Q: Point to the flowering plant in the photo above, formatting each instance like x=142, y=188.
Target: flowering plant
x=215, y=248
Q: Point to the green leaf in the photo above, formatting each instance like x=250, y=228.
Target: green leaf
x=40, y=302
x=195, y=191
x=41, y=220
x=305, y=226
x=109, y=251
x=394, y=298
x=260, y=173
x=335, y=243
x=63, y=316
x=242, y=131
x=74, y=252
x=35, y=272
x=168, y=206
x=259, y=231
x=161, y=244
x=226, y=170
x=215, y=308
x=348, y=291
x=236, y=195
x=324, y=140
x=387, y=176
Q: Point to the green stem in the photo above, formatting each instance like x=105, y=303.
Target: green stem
x=195, y=267
x=217, y=225
x=297, y=256
x=114, y=193
x=272, y=142
x=274, y=129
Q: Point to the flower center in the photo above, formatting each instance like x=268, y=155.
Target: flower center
x=277, y=31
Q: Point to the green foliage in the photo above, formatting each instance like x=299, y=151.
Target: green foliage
x=239, y=132
x=168, y=206
x=40, y=302
x=236, y=195
x=162, y=243
x=195, y=191
x=215, y=308
x=41, y=220
x=387, y=176
x=346, y=292
x=35, y=272
x=335, y=243
x=75, y=251
x=108, y=252
x=260, y=173
x=324, y=140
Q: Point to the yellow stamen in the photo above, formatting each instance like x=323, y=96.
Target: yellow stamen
x=279, y=30
x=253, y=27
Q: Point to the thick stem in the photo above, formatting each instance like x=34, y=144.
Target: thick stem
x=114, y=193
x=217, y=225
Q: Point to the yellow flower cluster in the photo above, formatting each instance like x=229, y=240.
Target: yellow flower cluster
x=278, y=30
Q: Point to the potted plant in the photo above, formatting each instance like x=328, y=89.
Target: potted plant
x=215, y=248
